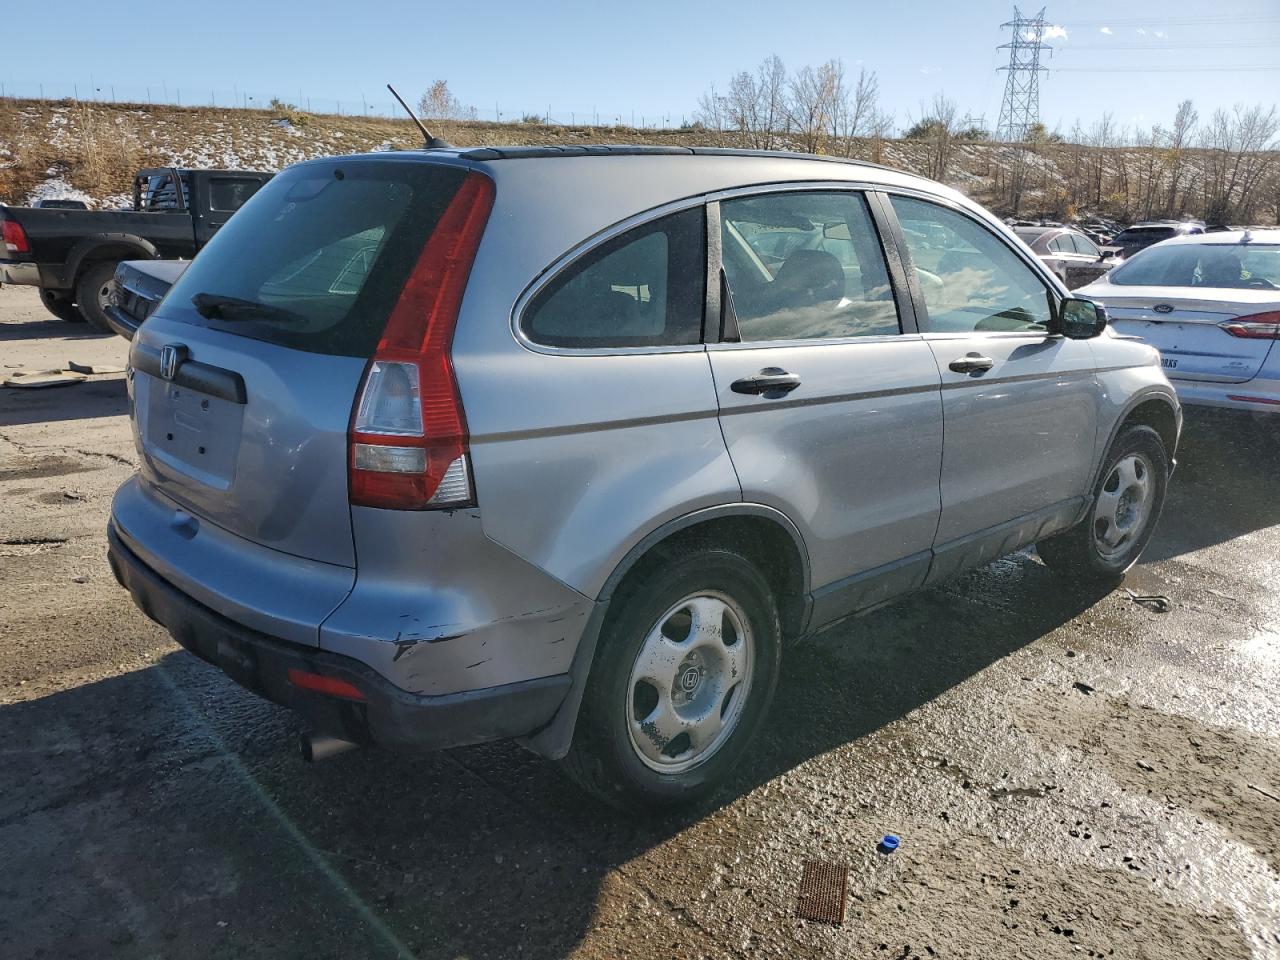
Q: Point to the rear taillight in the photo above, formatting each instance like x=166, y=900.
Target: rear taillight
x=1256, y=326
x=15, y=238
x=408, y=438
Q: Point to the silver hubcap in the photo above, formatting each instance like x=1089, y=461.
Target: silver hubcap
x=689, y=683
x=1123, y=505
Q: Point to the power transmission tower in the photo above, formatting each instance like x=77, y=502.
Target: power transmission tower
x=1021, y=106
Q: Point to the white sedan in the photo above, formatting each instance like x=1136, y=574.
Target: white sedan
x=1210, y=304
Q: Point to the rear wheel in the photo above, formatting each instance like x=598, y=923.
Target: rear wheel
x=1122, y=514
x=61, y=306
x=93, y=293
x=682, y=679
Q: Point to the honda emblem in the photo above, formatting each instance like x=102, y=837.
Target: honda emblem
x=171, y=357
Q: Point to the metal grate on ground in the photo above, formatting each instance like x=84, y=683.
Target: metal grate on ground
x=823, y=891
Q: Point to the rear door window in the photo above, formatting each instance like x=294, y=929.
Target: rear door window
x=316, y=259
x=644, y=288
x=970, y=279
x=805, y=265
x=229, y=194
x=1085, y=245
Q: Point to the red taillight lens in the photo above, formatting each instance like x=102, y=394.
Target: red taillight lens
x=15, y=238
x=1256, y=326
x=319, y=683
x=408, y=435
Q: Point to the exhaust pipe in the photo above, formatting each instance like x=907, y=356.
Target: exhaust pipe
x=317, y=747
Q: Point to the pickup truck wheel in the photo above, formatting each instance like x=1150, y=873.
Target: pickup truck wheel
x=682, y=679
x=93, y=293
x=61, y=306
x=1122, y=512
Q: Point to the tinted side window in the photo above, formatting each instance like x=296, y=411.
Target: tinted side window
x=1061, y=244
x=970, y=279
x=806, y=265
x=1085, y=245
x=644, y=288
x=228, y=194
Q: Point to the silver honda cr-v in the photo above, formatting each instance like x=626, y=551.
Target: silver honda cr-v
x=564, y=445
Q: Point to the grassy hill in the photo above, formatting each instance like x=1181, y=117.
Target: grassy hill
x=67, y=148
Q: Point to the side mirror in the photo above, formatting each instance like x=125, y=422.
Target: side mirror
x=1080, y=319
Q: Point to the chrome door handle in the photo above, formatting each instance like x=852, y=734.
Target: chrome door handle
x=971, y=363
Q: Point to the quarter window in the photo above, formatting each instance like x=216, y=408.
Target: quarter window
x=644, y=288
x=805, y=265
x=970, y=279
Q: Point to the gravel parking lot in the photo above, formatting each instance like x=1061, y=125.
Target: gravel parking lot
x=1071, y=774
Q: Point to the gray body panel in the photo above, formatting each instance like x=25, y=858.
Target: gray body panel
x=1020, y=436
x=273, y=469
x=851, y=455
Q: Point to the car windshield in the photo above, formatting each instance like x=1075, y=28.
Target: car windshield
x=1228, y=265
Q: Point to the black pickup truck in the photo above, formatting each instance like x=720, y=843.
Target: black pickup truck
x=71, y=255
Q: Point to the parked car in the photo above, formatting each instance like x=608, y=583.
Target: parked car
x=59, y=203
x=1142, y=235
x=1072, y=256
x=139, y=287
x=71, y=255
x=1211, y=305
x=466, y=444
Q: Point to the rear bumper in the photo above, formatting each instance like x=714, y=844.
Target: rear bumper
x=1259, y=395
x=24, y=274
x=388, y=716
x=120, y=321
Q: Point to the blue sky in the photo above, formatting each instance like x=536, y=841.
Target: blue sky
x=649, y=58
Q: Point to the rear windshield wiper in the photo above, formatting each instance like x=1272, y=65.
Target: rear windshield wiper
x=218, y=306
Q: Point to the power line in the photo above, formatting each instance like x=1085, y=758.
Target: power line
x=1174, y=21
x=1250, y=68
x=1173, y=45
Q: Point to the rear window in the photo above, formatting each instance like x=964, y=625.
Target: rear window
x=1222, y=265
x=229, y=194
x=1144, y=235
x=316, y=259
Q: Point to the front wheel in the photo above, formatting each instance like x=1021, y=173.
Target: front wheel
x=1122, y=513
x=93, y=293
x=682, y=679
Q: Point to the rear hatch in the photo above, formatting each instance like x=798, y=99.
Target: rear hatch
x=245, y=375
x=1190, y=326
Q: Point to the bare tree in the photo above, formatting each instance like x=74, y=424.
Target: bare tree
x=937, y=128
x=1241, y=146
x=712, y=110
x=1184, y=124
x=439, y=103
x=852, y=110
x=811, y=103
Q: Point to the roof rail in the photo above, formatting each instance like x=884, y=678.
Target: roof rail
x=628, y=150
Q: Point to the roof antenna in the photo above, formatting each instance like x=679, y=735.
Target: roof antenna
x=432, y=143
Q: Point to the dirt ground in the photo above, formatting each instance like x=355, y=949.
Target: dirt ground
x=1071, y=774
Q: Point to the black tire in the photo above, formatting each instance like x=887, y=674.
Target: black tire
x=61, y=306
x=91, y=291
x=1077, y=552
x=603, y=759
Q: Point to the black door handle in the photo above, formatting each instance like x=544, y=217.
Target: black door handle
x=770, y=383
x=971, y=363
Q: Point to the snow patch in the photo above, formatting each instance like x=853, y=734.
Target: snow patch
x=55, y=188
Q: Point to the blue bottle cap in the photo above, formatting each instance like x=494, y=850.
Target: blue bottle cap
x=889, y=843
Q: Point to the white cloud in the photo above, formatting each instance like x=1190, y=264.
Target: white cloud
x=1142, y=31
x=1055, y=31
x=1161, y=34
x=1106, y=30
x=928, y=70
